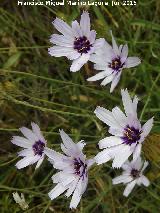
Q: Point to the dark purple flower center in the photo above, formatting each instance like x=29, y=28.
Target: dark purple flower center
x=131, y=135
x=135, y=173
x=116, y=64
x=38, y=147
x=80, y=167
x=82, y=44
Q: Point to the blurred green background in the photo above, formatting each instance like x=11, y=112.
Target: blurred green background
x=37, y=87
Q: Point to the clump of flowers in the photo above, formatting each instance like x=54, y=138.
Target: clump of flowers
x=78, y=43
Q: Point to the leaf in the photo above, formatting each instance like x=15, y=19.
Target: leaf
x=12, y=61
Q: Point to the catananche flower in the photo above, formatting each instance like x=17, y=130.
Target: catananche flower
x=77, y=42
x=73, y=166
x=132, y=175
x=111, y=60
x=33, y=144
x=128, y=134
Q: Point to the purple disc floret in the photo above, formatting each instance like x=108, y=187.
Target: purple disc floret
x=131, y=135
x=80, y=167
x=82, y=44
x=38, y=147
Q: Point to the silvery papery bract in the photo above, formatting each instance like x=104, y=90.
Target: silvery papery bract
x=132, y=175
x=19, y=199
x=77, y=42
x=127, y=133
x=112, y=60
x=33, y=144
x=73, y=166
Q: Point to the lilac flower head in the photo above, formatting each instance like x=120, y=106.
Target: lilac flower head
x=132, y=175
x=73, y=166
x=127, y=133
x=77, y=42
x=34, y=144
x=111, y=60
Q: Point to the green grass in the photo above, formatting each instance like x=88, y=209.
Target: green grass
x=37, y=87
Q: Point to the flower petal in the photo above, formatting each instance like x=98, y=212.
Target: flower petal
x=120, y=48
x=98, y=76
x=68, y=142
x=59, y=51
x=122, y=179
x=66, y=151
x=132, y=62
x=84, y=184
x=81, y=145
x=29, y=134
x=107, y=117
x=135, y=103
x=79, y=62
x=127, y=167
x=101, y=67
x=26, y=152
x=114, y=44
x=76, y=195
x=92, y=36
x=119, y=116
x=73, y=55
x=99, y=60
x=102, y=157
x=56, y=191
x=27, y=161
x=22, y=142
x=67, y=178
x=61, y=40
x=107, y=80
x=110, y=141
x=115, y=81
x=99, y=43
x=144, y=166
x=115, y=132
x=56, y=177
x=85, y=23
x=128, y=104
x=39, y=162
x=121, y=155
x=137, y=164
x=72, y=187
x=134, y=122
x=137, y=151
x=90, y=162
x=76, y=28
x=129, y=188
x=143, y=180
x=37, y=131
x=147, y=128
x=53, y=155
x=63, y=28
x=124, y=53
